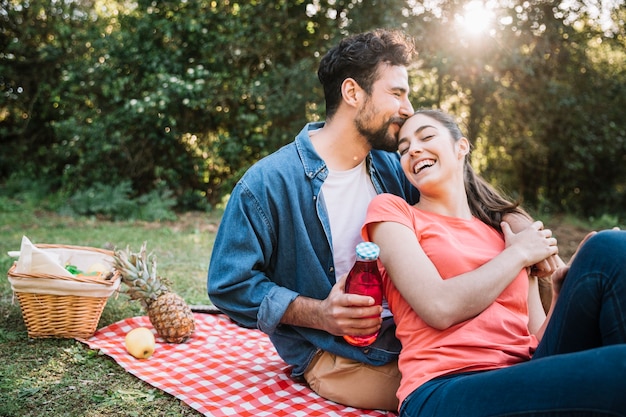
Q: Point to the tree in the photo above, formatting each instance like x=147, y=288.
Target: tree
x=529, y=90
x=149, y=96
x=38, y=40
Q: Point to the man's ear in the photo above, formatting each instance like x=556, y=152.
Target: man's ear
x=351, y=92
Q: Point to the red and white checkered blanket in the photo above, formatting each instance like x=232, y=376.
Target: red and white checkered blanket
x=223, y=370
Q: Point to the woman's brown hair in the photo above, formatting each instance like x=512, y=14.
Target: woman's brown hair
x=485, y=202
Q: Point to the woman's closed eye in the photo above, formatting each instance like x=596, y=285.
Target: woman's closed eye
x=404, y=145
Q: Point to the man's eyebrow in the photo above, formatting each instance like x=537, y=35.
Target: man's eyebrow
x=400, y=89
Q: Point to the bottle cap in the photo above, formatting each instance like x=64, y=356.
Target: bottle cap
x=367, y=251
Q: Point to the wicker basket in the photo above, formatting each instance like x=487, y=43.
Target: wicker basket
x=62, y=307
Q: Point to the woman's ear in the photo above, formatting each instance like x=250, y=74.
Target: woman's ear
x=463, y=147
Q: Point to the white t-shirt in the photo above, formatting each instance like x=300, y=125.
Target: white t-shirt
x=347, y=195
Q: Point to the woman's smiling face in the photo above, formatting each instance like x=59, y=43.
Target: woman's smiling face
x=429, y=154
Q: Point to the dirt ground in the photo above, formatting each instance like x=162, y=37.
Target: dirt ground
x=568, y=238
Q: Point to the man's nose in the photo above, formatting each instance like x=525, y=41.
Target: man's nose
x=406, y=110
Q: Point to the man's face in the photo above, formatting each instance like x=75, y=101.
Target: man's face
x=384, y=111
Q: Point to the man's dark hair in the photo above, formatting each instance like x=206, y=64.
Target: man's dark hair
x=359, y=57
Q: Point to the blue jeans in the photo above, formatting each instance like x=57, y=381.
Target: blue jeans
x=579, y=368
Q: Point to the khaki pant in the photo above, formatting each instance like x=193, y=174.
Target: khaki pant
x=353, y=383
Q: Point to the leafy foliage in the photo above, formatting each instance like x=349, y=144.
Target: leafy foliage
x=145, y=96
x=115, y=203
x=541, y=96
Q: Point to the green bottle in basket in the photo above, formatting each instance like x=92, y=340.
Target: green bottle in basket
x=364, y=279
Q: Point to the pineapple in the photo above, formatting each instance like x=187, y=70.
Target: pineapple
x=169, y=314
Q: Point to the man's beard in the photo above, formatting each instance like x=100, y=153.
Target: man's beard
x=379, y=138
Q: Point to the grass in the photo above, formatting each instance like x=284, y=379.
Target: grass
x=62, y=377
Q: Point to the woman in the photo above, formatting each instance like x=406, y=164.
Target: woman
x=475, y=338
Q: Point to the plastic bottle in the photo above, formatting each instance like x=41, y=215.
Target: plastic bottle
x=364, y=279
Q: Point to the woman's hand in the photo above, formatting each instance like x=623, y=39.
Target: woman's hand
x=534, y=243
x=544, y=268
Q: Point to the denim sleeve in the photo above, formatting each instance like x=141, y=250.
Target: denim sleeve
x=237, y=283
x=273, y=308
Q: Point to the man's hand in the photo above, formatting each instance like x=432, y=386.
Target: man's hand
x=339, y=314
x=559, y=275
x=545, y=268
x=349, y=314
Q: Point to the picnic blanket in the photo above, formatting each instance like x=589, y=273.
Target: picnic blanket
x=223, y=370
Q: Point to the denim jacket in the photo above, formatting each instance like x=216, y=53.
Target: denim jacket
x=274, y=244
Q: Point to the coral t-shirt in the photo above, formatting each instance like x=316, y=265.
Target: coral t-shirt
x=496, y=338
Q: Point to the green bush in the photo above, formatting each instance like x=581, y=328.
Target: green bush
x=116, y=203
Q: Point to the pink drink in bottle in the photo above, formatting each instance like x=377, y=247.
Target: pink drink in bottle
x=364, y=279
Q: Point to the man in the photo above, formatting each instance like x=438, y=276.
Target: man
x=287, y=237
x=288, y=234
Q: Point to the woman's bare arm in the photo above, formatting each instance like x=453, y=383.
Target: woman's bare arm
x=443, y=303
